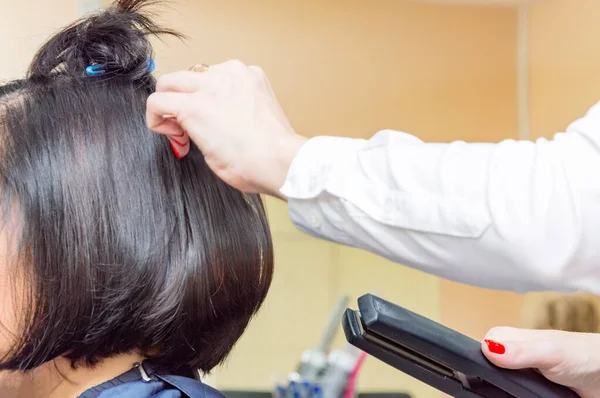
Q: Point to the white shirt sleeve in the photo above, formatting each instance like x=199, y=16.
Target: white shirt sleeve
x=517, y=215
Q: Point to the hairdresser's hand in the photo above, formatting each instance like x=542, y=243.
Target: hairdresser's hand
x=570, y=359
x=233, y=116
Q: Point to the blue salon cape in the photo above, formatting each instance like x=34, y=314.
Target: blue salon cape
x=161, y=385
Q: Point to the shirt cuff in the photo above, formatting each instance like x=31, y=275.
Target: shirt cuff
x=310, y=170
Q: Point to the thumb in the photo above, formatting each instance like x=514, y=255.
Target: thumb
x=512, y=348
x=567, y=358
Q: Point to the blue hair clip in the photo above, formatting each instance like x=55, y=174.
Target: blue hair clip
x=99, y=69
x=151, y=65
x=95, y=70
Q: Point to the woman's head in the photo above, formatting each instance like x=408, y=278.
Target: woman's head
x=109, y=243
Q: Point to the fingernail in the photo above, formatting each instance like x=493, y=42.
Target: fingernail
x=181, y=144
x=175, y=150
x=495, y=347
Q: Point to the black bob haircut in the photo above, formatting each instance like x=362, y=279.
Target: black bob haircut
x=121, y=246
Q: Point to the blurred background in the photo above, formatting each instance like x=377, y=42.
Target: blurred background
x=480, y=70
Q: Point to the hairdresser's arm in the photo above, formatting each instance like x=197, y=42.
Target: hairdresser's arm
x=516, y=215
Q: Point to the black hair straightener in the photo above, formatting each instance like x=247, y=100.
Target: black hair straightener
x=441, y=357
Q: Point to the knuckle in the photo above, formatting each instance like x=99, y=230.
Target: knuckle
x=503, y=333
x=496, y=332
x=167, y=82
x=162, y=82
x=236, y=64
x=258, y=70
x=152, y=102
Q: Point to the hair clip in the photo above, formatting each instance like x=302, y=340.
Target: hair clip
x=99, y=69
x=151, y=65
x=95, y=70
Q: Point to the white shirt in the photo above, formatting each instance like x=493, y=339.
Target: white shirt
x=517, y=215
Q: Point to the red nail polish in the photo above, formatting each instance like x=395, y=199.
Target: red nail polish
x=181, y=144
x=495, y=347
x=175, y=151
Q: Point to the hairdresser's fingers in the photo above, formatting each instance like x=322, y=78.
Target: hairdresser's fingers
x=162, y=113
x=180, y=143
x=191, y=81
x=179, y=139
x=180, y=146
x=232, y=115
x=170, y=127
x=569, y=359
x=163, y=106
x=181, y=82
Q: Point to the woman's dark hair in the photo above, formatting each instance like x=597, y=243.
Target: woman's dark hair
x=122, y=247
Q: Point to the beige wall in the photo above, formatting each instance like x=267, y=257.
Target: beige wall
x=564, y=62
x=23, y=27
x=343, y=68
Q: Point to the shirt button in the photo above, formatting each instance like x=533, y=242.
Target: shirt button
x=315, y=221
